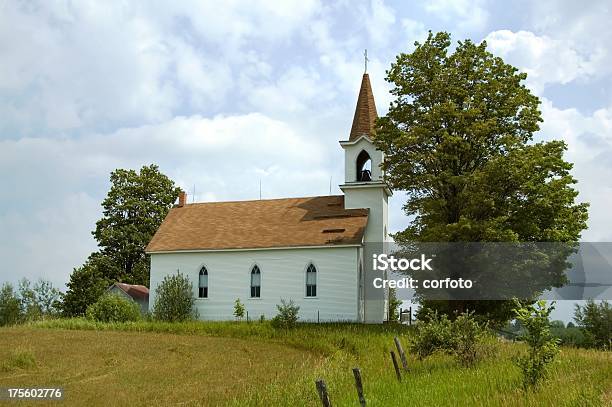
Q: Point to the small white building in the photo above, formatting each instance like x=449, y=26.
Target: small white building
x=309, y=250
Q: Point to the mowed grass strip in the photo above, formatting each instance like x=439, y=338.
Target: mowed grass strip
x=132, y=368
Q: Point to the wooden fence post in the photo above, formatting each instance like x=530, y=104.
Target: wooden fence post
x=322, y=390
x=400, y=350
x=396, y=366
x=359, y=385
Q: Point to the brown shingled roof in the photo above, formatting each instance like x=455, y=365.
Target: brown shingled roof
x=365, y=112
x=291, y=222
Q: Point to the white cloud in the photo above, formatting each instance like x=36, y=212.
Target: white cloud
x=415, y=30
x=589, y=140
x=95, y=64
x=51, y=205
x=90, y=66
x=586, y=25
x=379, y=21
x=545, y=60
x=465, y=14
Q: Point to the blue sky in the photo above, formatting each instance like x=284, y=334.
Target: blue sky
x=222, y=95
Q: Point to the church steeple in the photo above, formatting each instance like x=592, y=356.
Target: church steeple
x=365, y=187
x=365, y=112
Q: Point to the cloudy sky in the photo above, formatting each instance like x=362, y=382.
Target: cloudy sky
x=221, y=97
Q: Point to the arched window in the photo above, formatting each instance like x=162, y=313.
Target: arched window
x=203, y=283
x=311, y=281
x=364, y=166
x=255, y=282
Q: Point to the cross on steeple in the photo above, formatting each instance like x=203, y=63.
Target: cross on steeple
x=365, y=60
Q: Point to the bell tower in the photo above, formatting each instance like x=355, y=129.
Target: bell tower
x=365, y=187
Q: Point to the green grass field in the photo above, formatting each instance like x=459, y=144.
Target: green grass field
x=206, y=363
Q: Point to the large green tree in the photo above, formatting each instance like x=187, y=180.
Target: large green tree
x=134, y=208
x=458, y=139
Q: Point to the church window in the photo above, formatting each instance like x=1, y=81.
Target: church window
x=311, y=281
x=255, y=282
x=203, y=283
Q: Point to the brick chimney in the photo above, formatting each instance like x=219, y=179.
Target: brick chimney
x=182, y=199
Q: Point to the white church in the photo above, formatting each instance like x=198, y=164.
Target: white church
x=310, y=250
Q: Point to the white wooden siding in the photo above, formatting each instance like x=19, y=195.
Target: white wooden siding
x=282, y=276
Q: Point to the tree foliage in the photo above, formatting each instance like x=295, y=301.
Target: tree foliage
x=87, y=283
x=595, y=320
x=287, y=314
x=458, y=139
x=239, y=309
x=543, y=347
x=30, y=302
x=134, y=208
x=10, y=306
x=38, y=300
x=394, y=305
x=174, y=300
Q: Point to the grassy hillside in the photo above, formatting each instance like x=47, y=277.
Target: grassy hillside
x=253, y=364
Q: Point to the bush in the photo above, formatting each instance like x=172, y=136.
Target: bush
x=287, y=315
x=470, y=339
x=464, y=338
x=433, y=333
x=595, y=321
x=174, y=300
x=543, y=347
x=113, y=308
x=10, y=306
x=238, y=309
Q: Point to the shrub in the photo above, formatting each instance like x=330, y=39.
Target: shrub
x=238, y=309
x=287, y=315
x=10, y=306
x=543, y=347
x=464, y=338
x=434, y=333
x=113, y=308
x=595, y=321
x=469, y=339
x=174, y=300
